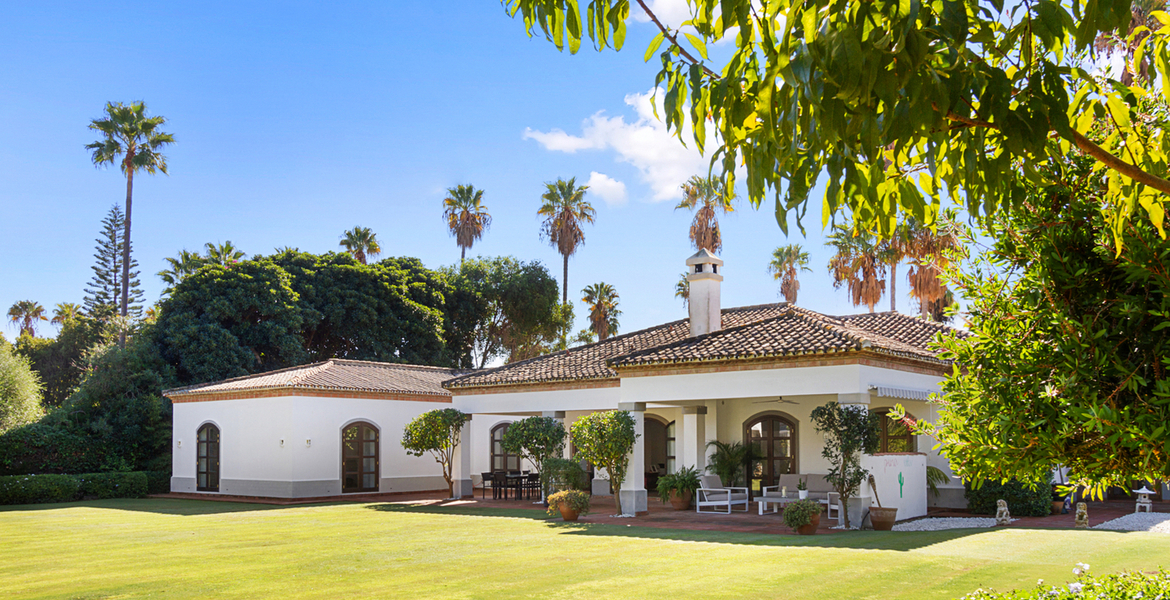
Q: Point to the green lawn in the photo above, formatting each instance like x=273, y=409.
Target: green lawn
x=192, y=549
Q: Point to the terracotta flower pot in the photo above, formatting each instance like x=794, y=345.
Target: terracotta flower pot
x=811, y=528
x=567, y=513
x=681, y=500
x=883, y=518
x=1057, y=507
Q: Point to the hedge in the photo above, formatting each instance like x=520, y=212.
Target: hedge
x=1122, y=585
x=44, y=448
x=1022, y=501
x=38, y=489
x=158, y=482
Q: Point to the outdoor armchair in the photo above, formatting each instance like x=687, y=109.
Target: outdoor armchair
x=714, y=494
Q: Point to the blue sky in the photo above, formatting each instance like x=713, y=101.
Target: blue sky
x=296, y=121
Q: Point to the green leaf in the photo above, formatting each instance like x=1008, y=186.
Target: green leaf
x=653, y=47
x=698, y=44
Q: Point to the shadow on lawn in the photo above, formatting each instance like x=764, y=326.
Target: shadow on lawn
x=162, y=506
x=775, y=537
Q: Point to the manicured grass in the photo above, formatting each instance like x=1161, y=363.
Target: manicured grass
x=193, y=549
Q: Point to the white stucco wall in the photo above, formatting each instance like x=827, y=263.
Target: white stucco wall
x=253, y=462
x=901, y=482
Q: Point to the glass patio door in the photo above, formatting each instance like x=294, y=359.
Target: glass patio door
x=774, y=441
x=359, y=458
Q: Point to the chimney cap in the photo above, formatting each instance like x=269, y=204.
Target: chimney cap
x=703, y=257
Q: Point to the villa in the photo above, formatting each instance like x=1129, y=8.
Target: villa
x=752, y=374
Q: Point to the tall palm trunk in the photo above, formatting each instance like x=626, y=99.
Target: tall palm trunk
x=565, y=280
x=462, y=254
x=893, y=286
x=125, y=308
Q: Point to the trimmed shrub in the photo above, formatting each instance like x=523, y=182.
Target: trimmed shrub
x=1022, y=500
x=1121, y=585
x=43, y=448
x=158, y=482
x=113, y=485
x=37, y=489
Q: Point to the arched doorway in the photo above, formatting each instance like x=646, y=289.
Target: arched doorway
x=501, y=459
x=207, y=459
x=774, y=437
x=359, y=458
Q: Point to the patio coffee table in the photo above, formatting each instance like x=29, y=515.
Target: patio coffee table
x=778, y=502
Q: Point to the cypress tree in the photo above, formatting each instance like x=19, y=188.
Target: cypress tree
x=101, y=297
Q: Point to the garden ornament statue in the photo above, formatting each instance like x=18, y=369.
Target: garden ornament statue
x=1002, y=515
x=1143, y=501
x=1082, y=521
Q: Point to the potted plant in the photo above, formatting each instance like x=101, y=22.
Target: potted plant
x=570, y=503
x=679, y=487
x=883, y=519
x=804, y=516
x=1057, y=501
x=802, y=489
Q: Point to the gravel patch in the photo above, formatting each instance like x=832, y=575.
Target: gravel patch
x=941, y=523
x=1143, y=521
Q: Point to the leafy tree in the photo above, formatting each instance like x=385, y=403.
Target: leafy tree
x=606, y=439
x=602, y=300
x=25, y=314
x=707, y=195
x=65, y=312
x=20, y=391
x=521, y=315
x=565, y=210
x=682, y=289
x=859, y=263
x=60, y=362
x=179, y=267
x=436, y=432
x=1069, y=338
x=128, y=133
x=101, y=297
x=467, y=217
x=538, y=439
x=787, y=263
x=362, y=243
x=894, y=102
x=224, y=254
x=849, y=431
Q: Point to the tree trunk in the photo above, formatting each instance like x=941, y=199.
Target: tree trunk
x=565, y=282
x=616, y=486
x=843, y=507
x=462, y=254
x=125, y=308
x=893, y=286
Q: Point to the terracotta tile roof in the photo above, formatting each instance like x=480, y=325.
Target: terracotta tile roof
x=338, y=375
x=798, y=331
x=589, y=362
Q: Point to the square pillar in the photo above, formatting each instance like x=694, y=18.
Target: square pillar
x=694, y=438
x=633, y=491
x=461, y=470
x=559, y=415
x=711, y=429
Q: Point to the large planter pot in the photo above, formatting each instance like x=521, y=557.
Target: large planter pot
x=803, y=494
x=681, y=500
x=811, y=528
x=567, y=513
x=1057, y=507
x=882, y=518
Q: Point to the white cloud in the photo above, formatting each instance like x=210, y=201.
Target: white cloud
x=607, y=188
x=663, y=162
x=670, y=13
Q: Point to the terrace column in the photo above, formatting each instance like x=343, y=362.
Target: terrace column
x=633, y=492
x=711, y=429
x=461, y=470
x=694, y=438
x=559, y=415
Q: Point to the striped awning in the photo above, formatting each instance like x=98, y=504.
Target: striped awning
x=901, y=393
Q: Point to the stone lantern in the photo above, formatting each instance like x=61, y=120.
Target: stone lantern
x=1143, y=501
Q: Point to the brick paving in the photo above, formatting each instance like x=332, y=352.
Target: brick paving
x=663, y=516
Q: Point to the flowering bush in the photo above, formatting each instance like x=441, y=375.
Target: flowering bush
x=1127, y=585
x=571, y=499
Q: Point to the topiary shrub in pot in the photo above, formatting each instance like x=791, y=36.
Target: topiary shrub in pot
x=804, y=516
x=569, y=503
x=679, y=487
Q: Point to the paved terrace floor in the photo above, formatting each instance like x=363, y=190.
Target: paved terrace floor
x=663, y=516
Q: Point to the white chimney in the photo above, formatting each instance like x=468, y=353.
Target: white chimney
x=704, y=279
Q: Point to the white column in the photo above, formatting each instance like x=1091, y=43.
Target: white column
x=633, y=492
x=711, y=429
x=461, y=470
x=693, y=438
x=559, y=415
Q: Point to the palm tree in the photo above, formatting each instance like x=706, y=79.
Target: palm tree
x=221, y=254
x=602, y=300
x=467, y=217
x=787, y=263
x=1141, y=13
x=682, y=289
x=708, y=195
x=25, y=314
x=129, y=133
x=860, y=262
x=928, y=252
x=186, y=263
x=565, y=210
x=361, y=242
x=65, y=312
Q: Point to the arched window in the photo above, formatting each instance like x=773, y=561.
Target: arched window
x=501, y=460
x=207, y=459
x=774, y=439
x=895, y=434
x=359, y=458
